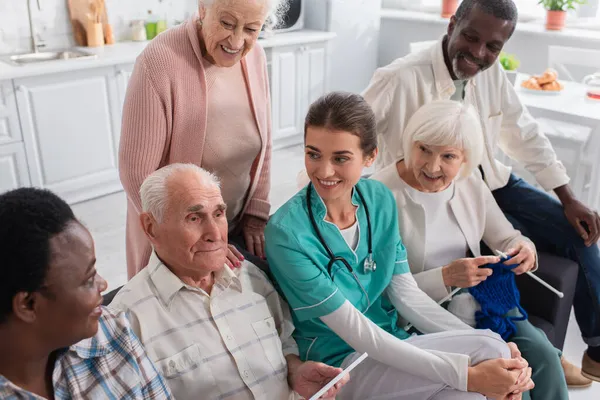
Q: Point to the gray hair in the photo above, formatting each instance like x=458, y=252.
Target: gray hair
x=276, y=10
x=446, y=123
x=154, y=191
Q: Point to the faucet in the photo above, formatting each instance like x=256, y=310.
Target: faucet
x=34, y=41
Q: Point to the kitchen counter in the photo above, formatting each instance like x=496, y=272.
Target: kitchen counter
x=127, y=52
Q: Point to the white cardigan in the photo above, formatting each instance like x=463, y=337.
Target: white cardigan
x=478, y=216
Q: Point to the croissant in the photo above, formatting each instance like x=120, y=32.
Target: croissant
x=550, y=75
x=553, y=86
x=531, y=83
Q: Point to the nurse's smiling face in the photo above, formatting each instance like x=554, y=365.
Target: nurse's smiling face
x=334, y=162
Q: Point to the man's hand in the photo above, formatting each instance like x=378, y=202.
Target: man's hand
x=523, y=256
x=585, y=221
x=577, y=213
x=253, y=229
x=465, y=272
x=234, y=257
x=309, y=377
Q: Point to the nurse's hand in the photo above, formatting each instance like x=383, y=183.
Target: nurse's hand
x=465, y=272
x=523, y=256
x=253, y=229
x=234, y=257
x=309, y=377
x=499, y=378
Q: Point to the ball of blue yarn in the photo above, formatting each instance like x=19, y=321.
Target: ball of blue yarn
x=497, y=295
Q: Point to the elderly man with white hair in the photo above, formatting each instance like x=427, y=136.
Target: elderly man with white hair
x=213, y=332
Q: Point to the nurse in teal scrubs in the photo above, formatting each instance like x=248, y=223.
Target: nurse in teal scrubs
x=337, y=257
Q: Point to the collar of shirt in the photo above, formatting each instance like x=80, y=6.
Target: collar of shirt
x=443, y=81
x=319, y=207
x=102, y=343
x=168, y=284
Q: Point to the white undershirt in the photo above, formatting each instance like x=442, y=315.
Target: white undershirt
x=444, y=240
x=350, y=235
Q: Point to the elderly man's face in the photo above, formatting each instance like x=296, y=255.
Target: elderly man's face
x=230, y=29
x=192, y=236
x=475, y=42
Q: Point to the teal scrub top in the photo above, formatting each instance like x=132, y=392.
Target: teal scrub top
x=298, y=262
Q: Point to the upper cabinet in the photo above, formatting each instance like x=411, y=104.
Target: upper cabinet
x=69, y=123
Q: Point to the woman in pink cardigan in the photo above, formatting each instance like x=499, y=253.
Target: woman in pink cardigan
x=199, y=93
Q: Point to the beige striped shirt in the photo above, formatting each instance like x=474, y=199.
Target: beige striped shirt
x=230, y=344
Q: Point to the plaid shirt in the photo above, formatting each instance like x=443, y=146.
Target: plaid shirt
x=110, y=365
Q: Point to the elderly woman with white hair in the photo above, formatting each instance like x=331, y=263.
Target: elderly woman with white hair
x=199, y=93
x=445, y=210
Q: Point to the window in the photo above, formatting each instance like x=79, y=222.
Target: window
x=529, y=10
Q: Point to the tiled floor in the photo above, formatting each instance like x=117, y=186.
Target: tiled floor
x=105, y=217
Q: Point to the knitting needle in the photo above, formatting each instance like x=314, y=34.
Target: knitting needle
x=537, y=278
x=442, y=301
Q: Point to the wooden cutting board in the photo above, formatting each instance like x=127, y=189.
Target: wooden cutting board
x=78, y=12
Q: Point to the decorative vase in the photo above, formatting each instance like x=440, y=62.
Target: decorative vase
x=555, y=20
x=449, y=8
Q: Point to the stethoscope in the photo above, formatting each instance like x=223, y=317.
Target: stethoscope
x=369, y=264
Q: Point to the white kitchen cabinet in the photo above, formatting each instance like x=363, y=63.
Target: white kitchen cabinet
x=298, y=75
x=69, y=123
x=123, y=74
x=10, y=132
x=13, y=167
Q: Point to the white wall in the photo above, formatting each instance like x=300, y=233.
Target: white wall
x=530, y=43
x=53, y=25
x=352, y=57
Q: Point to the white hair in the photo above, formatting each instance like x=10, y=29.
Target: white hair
x=446, y=123
x=276, y=10
x=154, y=191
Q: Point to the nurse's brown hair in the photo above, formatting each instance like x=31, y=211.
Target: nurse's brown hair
x=347, y=112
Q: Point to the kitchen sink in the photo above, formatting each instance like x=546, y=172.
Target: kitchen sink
x=45, y=56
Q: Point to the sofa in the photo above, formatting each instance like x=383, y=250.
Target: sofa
x=546, y=310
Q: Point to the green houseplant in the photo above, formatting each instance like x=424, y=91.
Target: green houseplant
x=510, y=63
x=557, y=12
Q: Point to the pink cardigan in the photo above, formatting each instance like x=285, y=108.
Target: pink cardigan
x=164, y=122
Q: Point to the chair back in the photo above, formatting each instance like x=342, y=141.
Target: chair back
x=585, y=61
x=418, y=46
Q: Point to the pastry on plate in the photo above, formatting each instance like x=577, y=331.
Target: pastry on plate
x=554, y=86
x=550, y=75
x=532, y=84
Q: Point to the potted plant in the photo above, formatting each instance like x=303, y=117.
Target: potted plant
x=449, y=8
x=510, y=63
x=557, y=12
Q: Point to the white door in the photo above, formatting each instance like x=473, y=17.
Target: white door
x=312, y=67
x=13, y=167
x=285, y=92
x=10, y=132
x=69, y=122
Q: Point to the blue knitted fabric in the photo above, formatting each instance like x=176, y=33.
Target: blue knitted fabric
x=497, y=295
